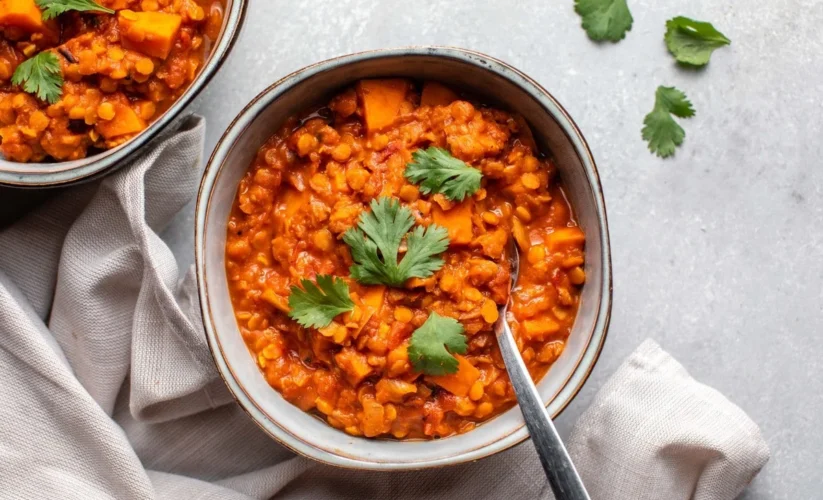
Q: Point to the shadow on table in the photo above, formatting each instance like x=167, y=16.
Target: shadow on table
x=15, y=203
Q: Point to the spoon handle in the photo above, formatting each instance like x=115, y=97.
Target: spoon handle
x=563, y=477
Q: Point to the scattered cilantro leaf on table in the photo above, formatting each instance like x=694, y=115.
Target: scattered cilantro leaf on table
x=53, y=8
x=40, y=75
x=432, y=346
x=660, y=130
x=605, y=19
x=376, y=240
x=437, y=171
x=692, y=42
x=315, y=306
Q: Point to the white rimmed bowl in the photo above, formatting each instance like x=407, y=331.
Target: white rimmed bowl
x=495, y=83
x=69, y=172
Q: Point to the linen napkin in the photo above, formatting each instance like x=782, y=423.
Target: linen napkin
x=107, y=388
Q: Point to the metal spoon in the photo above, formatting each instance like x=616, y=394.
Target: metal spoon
x=563, y=477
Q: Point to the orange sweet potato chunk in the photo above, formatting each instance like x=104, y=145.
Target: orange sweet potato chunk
x=374, y=297
x=22, y=14
x=354, y=365
x=152, y=33
x=381, y=100
x=125, y=121
x=294, y=200
x=437, y=94
x=565, y=237
x=459, y=383
x=457, y=220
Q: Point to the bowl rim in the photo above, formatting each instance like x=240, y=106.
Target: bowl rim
x=39, y=175
x=599, y=330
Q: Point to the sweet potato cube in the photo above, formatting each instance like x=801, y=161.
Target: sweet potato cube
x=457, y=220
x=565, y=237
x=354, y=364
x=437, y=94
x=125, y=121
x=381, y=100
x=23, y=14
x=152, y=33
x=390, y=390
x=373, y=418
x=293, y=200
x=459, y=383
x=374, y=297
x=538, y=329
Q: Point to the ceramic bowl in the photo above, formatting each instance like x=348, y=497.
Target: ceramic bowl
x=68, y=172
x=493, y=82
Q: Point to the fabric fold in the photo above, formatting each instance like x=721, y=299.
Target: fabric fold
x=654, y=432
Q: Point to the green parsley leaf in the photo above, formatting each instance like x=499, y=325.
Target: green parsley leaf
x=376, y=241
x=432, y=345
x=436, y=170
x=41, y=76
x=692, y=42
x=53, y=8
x=605, y=19
x=660, y=130
x=315, y=306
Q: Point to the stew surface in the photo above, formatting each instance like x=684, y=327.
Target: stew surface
x=119, y=71
x=310, y=184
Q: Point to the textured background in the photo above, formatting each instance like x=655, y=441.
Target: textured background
x=718, y=252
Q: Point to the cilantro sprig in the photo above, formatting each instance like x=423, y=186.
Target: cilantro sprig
x=661, y=131
x=605, y=19
x=315, y=306
x=692, y=42
x=53, y=8
x=433, y=345
x=41, y=76
x=437, y=171
x=375, y=244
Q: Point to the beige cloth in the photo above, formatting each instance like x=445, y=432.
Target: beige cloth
x=107, y=388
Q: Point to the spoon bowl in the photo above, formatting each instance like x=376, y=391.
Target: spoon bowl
x=560, y=471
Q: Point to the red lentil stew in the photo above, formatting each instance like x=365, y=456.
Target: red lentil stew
x=78, y=76
x=366, y=257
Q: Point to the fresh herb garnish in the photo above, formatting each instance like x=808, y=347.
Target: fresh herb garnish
x=375, y=243
x=432, y=346
x=41, y=76
x=692, y=42
x=660, y=130
x=436, y=170
x=315, y=306
x=53, y=8
x=605, y=19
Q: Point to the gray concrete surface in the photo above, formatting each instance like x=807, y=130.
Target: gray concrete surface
x=718, y=252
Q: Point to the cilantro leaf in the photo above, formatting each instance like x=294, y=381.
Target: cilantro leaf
x=375, y=243
x=605, y=19
x=41, y=76
x=53, y=8
x=692, y=42
x=315, y=306
x=431, y=346
x=660, y=130
x=436, y=170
